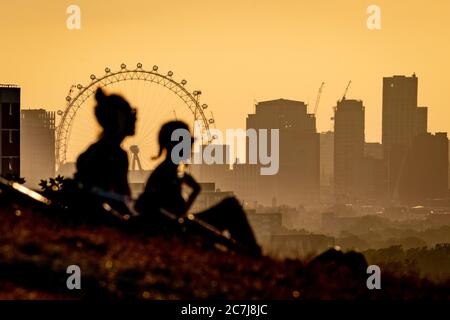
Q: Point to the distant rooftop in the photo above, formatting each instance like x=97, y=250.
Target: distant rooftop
x=402, y=76
x=280, y=100
x=8, y=85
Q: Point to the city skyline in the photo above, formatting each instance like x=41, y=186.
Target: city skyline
x=241, y=52
x=217, y=151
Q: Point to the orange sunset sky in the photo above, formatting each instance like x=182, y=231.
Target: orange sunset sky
x=235, y=51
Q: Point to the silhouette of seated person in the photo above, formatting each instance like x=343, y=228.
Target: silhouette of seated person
x=104, y=165
x=165, y=189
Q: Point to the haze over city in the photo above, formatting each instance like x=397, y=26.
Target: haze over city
x=225, y=151
x=236, y=52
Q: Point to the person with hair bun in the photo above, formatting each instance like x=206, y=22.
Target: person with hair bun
x=104, y=164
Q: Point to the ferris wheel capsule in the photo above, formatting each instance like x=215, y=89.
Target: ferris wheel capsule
x=155, y=68
x=92, y=76
x=79, y=87
x=170, y=73
x=183, y=82
x=139, y=65
x=123, y=66
x=204, y=106
x=59, y=112
x=211, y=121
x=107, y=70
x=68, y=98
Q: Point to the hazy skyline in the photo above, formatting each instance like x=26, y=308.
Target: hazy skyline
x=235, y=51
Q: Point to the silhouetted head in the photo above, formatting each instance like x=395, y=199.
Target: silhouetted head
x=165, y=136
x=115, y=115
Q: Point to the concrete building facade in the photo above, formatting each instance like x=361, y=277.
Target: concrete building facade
x=298, y=177
x=37, y=145
x=10, y=130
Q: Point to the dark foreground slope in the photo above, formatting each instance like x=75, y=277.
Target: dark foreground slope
x=35, y=252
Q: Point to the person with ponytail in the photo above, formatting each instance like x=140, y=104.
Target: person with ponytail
x=164, y=193
x=164, y=186
x=104, y=165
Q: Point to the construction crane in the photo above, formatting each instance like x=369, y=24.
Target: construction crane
x=346, y=90
x=319, y=93
x=343, y=98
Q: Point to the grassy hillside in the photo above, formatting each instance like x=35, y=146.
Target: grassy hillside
x=35, y=251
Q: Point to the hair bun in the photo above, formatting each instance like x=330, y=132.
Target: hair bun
x=100, y=95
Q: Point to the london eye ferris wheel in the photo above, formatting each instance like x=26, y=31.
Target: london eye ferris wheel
x=157, y=97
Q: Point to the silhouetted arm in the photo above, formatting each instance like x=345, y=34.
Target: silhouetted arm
x=190, y=181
